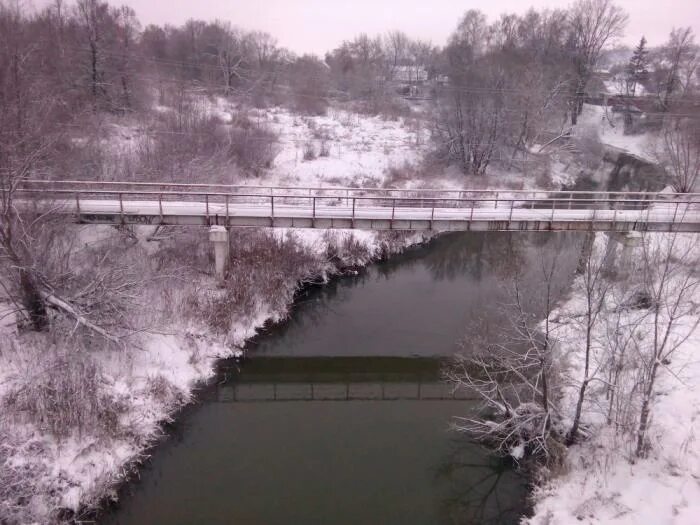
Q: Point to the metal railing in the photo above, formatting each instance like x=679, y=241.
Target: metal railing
x=221, y=200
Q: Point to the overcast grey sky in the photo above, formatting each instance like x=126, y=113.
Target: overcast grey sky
x=319, y=25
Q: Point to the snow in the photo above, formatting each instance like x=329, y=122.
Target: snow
x=610, y=131
x=361, y=149
x=603, y=482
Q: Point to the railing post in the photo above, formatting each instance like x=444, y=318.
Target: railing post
x=227, y=213
x=160, y=206
x=352, y=220
x=313, y=216
x=432, y=216
x=121, y=208
x=272, y=206
x=206, y=200
x=77, y=202
x=553, y=204
x=673, y=221
x=393, y=212
x=510, y=217
x=495, y=204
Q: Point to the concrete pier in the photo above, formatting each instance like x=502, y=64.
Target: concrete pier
x=218, y=236
x=628, y=242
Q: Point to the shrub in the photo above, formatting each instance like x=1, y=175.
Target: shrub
x=265, y=271
x=345, y=251
x=63, y=395
x=254, y=146
x=309, y=151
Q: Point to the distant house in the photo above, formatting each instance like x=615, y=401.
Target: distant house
x=410, y=74
x=442, y=80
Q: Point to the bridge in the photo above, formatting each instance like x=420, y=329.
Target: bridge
x=145, y=203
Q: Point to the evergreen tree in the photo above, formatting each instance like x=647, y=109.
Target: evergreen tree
x=637, y=69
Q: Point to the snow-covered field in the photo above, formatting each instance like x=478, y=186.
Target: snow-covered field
x=349, y=149
x=604, y=482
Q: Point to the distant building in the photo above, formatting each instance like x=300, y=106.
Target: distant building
x=410, y=74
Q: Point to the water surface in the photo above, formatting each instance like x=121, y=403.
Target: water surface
x=340, y=416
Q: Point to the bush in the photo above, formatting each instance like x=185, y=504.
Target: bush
x=309, y=151
x=265, y=271
x=63, y=395
x=254, y=147
x=345, y=251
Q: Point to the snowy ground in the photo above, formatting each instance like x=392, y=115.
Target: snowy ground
x=609, y=128
x=604, y=482
x=349, y=149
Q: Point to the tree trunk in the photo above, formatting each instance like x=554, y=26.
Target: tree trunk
x=33, y=301
x=646, y=411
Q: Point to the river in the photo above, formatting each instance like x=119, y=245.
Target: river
x=339, y=415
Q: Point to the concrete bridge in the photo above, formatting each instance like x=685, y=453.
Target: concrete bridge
x=365, y=208
x=224, y=206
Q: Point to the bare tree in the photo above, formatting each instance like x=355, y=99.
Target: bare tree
x=670, y=266
x=593, y=24
x=680, y=153
x=397, y=46
x=127, y=27
x=516, y=378
x=93, y=16
x=595, y=287
x=681, y=57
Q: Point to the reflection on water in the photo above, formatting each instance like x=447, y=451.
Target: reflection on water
x=483, y=490
x=340, y=416
x=420, y=303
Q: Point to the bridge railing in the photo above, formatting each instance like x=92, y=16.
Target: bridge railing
x=222, y=200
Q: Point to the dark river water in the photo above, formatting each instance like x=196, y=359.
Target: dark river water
x=340, y=416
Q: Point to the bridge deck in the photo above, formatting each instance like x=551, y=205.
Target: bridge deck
x=373, y=209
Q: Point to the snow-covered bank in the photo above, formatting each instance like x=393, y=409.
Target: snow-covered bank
x=604, y=480
x=55, y=470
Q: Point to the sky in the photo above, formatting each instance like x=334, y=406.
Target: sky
x=316, y=26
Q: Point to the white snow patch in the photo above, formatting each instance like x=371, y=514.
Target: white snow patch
x=610, y=130
x=604, y=482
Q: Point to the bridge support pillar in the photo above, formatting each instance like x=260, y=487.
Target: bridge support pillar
x=218, y=236
x=610, y=257
x=628, y=242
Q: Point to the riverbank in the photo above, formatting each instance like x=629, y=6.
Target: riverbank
x=604, y=479
x=77, y=421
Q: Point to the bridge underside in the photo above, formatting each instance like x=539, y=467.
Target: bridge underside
x=641, y=224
